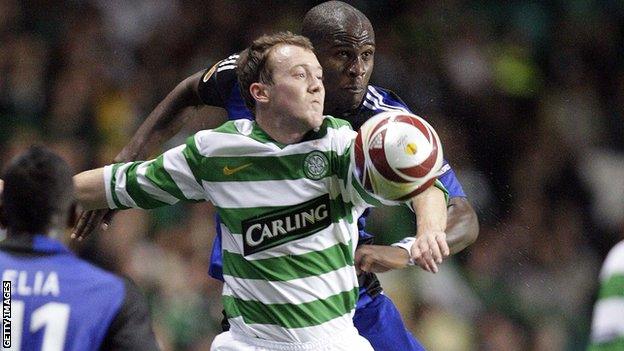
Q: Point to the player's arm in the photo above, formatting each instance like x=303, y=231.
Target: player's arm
x=462, y=226
x=131, y=329
x=90, y=189
x=165, y=180
x=426, y=249
x=430, y=246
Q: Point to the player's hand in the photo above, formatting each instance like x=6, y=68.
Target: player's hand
x=429, y=249
x=89, y=220
x=380, y=258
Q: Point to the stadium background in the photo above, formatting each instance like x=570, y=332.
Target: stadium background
x=527, y=96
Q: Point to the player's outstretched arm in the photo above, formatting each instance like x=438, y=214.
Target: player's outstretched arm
x=165, y=121
x=430, y=246
x=427, y=249
x=90, y=189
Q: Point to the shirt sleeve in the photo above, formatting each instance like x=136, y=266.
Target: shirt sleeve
x=173, y=176
x=218, y=81
x=131, y=329
x=450, y=181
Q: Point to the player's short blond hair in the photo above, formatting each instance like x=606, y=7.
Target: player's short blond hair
x=252, y=64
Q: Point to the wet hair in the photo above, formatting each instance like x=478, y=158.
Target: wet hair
x=326, y=18
x=37, y=186
x=252, y=64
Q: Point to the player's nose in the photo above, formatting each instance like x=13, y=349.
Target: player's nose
x=315, y=85
x=357, y=68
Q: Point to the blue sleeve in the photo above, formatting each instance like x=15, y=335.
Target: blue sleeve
x=450, y=182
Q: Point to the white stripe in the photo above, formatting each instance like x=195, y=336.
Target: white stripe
x=376, y=106
x=368, y=104
x=226, y=62
x=325, y=331
x=614, y=263
x=211, y=143
x=175, y=164
x=223, y=68
x=265, y=192
x=608, y=322
x=330, y=236
x=108, y=175
x=381, y=99
x=120, y=186
x=147, y=186
x=296, y=291
x=373, y=100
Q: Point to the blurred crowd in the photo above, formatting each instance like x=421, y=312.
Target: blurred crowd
x=527, y=96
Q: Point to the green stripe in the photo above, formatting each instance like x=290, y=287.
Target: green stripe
x=291, y=315
x=196, y=162
x=142, y=198
x=158, y=175
x=113, y=184
x=613, y=287
x=288, y=267
x=232, y=217
x=615, y=345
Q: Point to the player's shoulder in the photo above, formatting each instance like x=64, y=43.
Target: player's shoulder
x=227, y=65
x=614, y=263
x=81, y=267
x=382, y=99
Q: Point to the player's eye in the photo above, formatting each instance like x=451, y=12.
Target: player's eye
x=366, y=55
x=300, y=75
x=342, y=53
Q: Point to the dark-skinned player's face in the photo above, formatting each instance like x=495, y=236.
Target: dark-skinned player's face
x=347, y=57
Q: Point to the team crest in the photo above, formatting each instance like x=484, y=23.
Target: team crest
x=315, y=165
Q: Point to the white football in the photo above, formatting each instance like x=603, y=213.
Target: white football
x=397, y=155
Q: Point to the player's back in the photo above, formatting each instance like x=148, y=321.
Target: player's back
x=58, y=301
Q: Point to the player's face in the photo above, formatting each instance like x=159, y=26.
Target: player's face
x=297, y=91
x=347, y=57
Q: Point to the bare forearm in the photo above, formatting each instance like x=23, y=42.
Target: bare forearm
x=462, y=226
x=164, y=122
x=90, y=190
x=430, y=209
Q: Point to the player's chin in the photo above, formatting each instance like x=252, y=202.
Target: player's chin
x=353, y=100
x=315, y=118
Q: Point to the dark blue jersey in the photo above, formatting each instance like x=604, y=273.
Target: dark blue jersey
x=219, y=87
x=60, y=302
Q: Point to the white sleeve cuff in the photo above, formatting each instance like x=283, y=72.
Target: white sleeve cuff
x=407, y=244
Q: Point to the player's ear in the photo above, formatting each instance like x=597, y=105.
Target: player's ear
x=260, y=92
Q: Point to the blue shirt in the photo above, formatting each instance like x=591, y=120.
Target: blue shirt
x=57, y=299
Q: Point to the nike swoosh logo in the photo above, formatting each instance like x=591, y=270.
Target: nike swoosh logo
x=229, y=171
